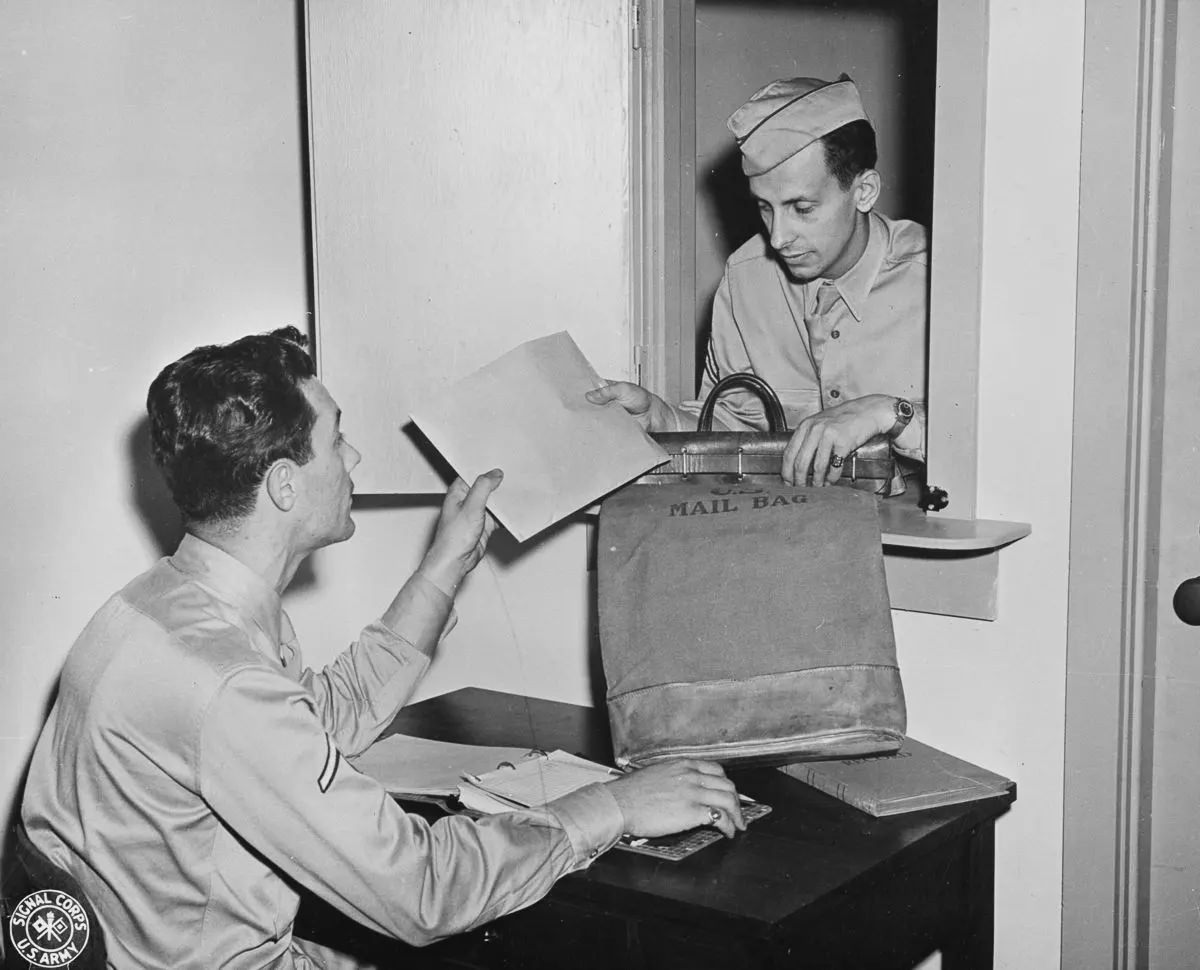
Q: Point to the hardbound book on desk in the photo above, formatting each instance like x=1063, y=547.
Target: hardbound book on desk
x=916, y=777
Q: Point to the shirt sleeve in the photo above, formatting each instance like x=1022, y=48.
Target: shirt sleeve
x=359, y=694
x=737, y=410
x=275, y=777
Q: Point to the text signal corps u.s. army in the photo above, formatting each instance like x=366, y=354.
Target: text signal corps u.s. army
x=49, y=929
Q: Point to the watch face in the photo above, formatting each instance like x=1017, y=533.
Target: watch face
x=904, y=409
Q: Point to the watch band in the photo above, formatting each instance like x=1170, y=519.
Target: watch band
x=904, y=414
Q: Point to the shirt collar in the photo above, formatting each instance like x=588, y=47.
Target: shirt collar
x=232, y=581
x=855, y=284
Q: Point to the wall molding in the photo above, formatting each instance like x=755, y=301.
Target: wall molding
x=1112, y=609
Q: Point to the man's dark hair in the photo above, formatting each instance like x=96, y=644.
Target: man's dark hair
x=221, y=415
x=850, y=150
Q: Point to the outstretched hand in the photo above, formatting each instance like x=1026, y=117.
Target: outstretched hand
x=463, y=529
x=650, y=410
x=671, y=796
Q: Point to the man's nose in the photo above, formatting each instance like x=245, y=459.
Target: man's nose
x=353, y=457
x=782, y=231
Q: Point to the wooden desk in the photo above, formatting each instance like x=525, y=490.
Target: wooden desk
x=815, y=884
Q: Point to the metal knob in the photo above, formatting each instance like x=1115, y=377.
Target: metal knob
x=1187, y=601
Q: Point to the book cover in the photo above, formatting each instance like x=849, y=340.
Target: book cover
x=917, y=776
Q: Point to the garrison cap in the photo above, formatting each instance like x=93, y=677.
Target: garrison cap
x=790, y=114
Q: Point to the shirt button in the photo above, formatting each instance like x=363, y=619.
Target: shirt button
x=835, y=393
x=593, y=853
x=836, y=334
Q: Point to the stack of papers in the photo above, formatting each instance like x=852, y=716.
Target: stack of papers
x=484, y=778
x=409, y=766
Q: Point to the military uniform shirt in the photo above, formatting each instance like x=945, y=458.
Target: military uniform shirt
x=192, y=770
x=825, y=342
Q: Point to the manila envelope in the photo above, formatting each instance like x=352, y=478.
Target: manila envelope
x=525, y=413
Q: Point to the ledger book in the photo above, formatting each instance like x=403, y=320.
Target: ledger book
x=916, y=777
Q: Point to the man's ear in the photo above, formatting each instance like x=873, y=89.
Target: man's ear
x=280, y=483
x=867, y=186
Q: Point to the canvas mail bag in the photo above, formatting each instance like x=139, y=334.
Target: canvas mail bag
x=746, y=622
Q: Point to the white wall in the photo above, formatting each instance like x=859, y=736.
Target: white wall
x=995, y=692
x=150, y=200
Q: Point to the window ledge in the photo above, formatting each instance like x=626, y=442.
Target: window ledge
x=937, y=564
x=911, y=528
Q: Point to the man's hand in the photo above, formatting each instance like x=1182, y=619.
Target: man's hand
x=834, y=432
x=650, y=410
x=463, y=529
x=675, y=795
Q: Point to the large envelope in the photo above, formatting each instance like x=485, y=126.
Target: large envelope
x=525, y=413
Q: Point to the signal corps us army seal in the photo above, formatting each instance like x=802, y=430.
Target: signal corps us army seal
x=49, y=928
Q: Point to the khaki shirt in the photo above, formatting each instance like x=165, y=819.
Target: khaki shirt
x=192, y=769
x=867, y=334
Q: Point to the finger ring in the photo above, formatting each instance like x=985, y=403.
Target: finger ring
x=714, y=816
x=836, y=460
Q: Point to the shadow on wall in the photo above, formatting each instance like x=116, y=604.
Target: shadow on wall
x=150, y=495
x=503, y=550
x=737, y=220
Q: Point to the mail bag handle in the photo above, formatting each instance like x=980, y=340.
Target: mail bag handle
x=776, y=421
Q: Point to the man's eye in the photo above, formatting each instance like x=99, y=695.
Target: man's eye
x=803, y=210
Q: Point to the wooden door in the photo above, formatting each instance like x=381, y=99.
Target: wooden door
x=471, y=190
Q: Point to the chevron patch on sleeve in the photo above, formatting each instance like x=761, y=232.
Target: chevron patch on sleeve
x=333, y=758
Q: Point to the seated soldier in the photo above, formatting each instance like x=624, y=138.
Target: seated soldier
x=192, y=775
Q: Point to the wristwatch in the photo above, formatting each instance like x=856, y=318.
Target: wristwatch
x=904, y=414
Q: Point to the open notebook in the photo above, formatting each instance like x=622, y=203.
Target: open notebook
x=531, y=782
x=484, y=780
x=536, y=781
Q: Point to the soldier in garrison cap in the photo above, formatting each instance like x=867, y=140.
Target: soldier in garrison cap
x=828, y=305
